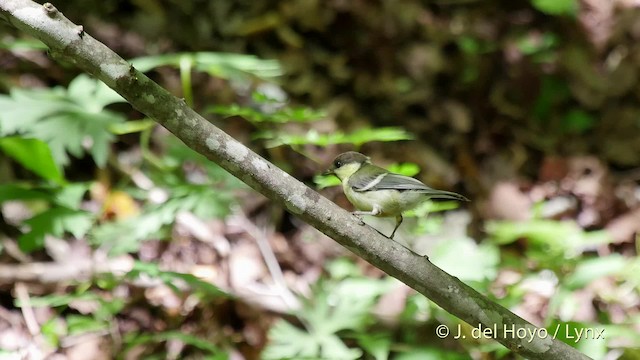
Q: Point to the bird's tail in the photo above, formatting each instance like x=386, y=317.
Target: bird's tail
x=445, y=195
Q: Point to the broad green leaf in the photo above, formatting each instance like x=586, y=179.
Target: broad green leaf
x=467, y=260
x=222, y=65
x=312, y=137
x=93, y=95
x=22, y=192
x=336, y=307
x=55, y=221
x=288, y=342
x=589, y=270
x=556, y=7
x=71, y=195
x=123, y=236
x=325, y=181
x=22, y=44
x=284, y=115
x=431, y=353
x=549, y=241
x=70, y=121
x=169, y=277
x=34, y=155
x=134, y=339
x=132, y=126
x=80, y=324
x=58, y=300
x=531, y=44
x=577, y=121
x=376, y=344
x=406, y=169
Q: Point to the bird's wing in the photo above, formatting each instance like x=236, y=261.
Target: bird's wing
x=382, y=180
x=399, y=182
x=378, y=179
x=362, y=182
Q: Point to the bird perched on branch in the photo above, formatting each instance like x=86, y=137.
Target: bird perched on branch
x=378, y=192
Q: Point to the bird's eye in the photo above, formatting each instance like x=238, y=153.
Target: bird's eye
x=337, y=164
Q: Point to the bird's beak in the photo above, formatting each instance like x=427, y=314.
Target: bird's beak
x=329, y=171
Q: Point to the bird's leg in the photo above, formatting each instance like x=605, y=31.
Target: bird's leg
x=374, y=212
x=398, y=222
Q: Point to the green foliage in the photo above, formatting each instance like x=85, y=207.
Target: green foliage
x=34, y=155
x=336, y=307
x=100, y=319
x=313, y=137
x=126, y=235
x=132, y=126
x=556, y=7
x=71, y=120
x=212, y=352
x=170, y=277
x=577, y=121
x=589, y=270
x=23, y=192
x=465, y=259
x=430, y=353
x=282, y=115
x=553, y=92
x=221, y=65
x=56, y=222
x=550, y=242
x=61, y=213
x=532, y=45
x=22, y=44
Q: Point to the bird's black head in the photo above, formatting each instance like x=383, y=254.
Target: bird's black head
x=348, y=158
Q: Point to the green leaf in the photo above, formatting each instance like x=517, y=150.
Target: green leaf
x=325, y=181
x=71, y=195
x=134, y=339
x=406, y=169
x=577, y=121
x=312, y=137
x=531, y=44
x=52, y=330
x=288, y=342
x=58, y=300
x=70, y=121
x=549, y=241
x=467, y=260
x=431, y=353
x=222, y=65
x=556, y=7
x=93, y=95
x=284, y=115
x=22, y=192
x=132, y=126
x=55, y=221
x=336, y=307
x=169, y=277
x=204, y=201
x=34, y=155
x=589, y=270
x=376, y=344
x=13, y=44
x=80, y=324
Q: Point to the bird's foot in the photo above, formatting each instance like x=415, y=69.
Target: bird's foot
x=362, y=223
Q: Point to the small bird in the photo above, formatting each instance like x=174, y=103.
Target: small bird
x=378, y=192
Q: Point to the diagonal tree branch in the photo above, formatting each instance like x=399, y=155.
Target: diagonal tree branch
x=68, y=42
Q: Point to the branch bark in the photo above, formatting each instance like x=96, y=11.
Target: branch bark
x=68, y=42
